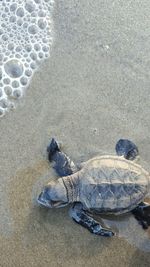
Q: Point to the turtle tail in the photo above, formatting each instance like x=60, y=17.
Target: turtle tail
x=52, y=148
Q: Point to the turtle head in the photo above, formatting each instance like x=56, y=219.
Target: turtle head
x=53, y=195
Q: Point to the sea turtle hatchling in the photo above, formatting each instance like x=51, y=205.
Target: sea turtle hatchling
x=103, y=185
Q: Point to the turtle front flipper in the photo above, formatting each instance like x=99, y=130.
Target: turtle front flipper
x=81, y=217
x=63, y=164
x=126, y=148
x=142, y=214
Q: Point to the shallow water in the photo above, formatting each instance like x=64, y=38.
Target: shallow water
x=93, y=90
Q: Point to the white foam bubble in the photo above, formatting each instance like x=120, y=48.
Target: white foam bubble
x=13, y=68
x=25, y=41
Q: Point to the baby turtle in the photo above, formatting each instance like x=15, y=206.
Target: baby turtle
x=104, y=185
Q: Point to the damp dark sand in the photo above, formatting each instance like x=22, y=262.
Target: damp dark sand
x=93, y=90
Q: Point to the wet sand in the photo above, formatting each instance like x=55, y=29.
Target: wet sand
x=92, y=91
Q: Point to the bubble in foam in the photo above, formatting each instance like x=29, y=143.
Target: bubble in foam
x=18, y=48
x=8, y=90
x=42, y=13
x=25, y=38
x=26, y=55
x=45, y=48
x=20, y=12
x=6, y=81
x=3, y=103
x=28, y=48
x=3, y=25
x=26, y=65
x=33, y=56
x=44, y=40
x=28, y=60
x=12, y=19
x=33, y=29
x=19, y=22
x=17, y=93
x=34, y=14
x=41, y=55
x=24, y=81
x=13, y=7
x=42, y=24
x=15, y=84
x=30, y=6
x=37, y=47
x=4, y=16
x=5, y=37
x=6, y=9
x=14, y=68
x=10, y=46
x=28, y=72
x=7, y=53
x=25, y=25
x=5, y=58
x=33, y=65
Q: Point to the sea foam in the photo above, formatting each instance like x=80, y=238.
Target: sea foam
x=25, y=41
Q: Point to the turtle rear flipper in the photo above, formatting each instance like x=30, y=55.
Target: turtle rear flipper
x=127, y=148
x=64, y=166
x=142, y=214
x=81, y=217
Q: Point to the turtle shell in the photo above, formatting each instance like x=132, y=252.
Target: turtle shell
x=112, y=184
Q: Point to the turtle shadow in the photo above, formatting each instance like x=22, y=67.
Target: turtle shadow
x=130, y=230
x=55, y=230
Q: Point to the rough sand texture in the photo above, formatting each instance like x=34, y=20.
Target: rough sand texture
x=93, y=90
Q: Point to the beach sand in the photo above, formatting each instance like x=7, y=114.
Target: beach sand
x=92, y=91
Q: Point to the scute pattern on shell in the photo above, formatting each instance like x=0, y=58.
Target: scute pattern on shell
x=112, y=183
